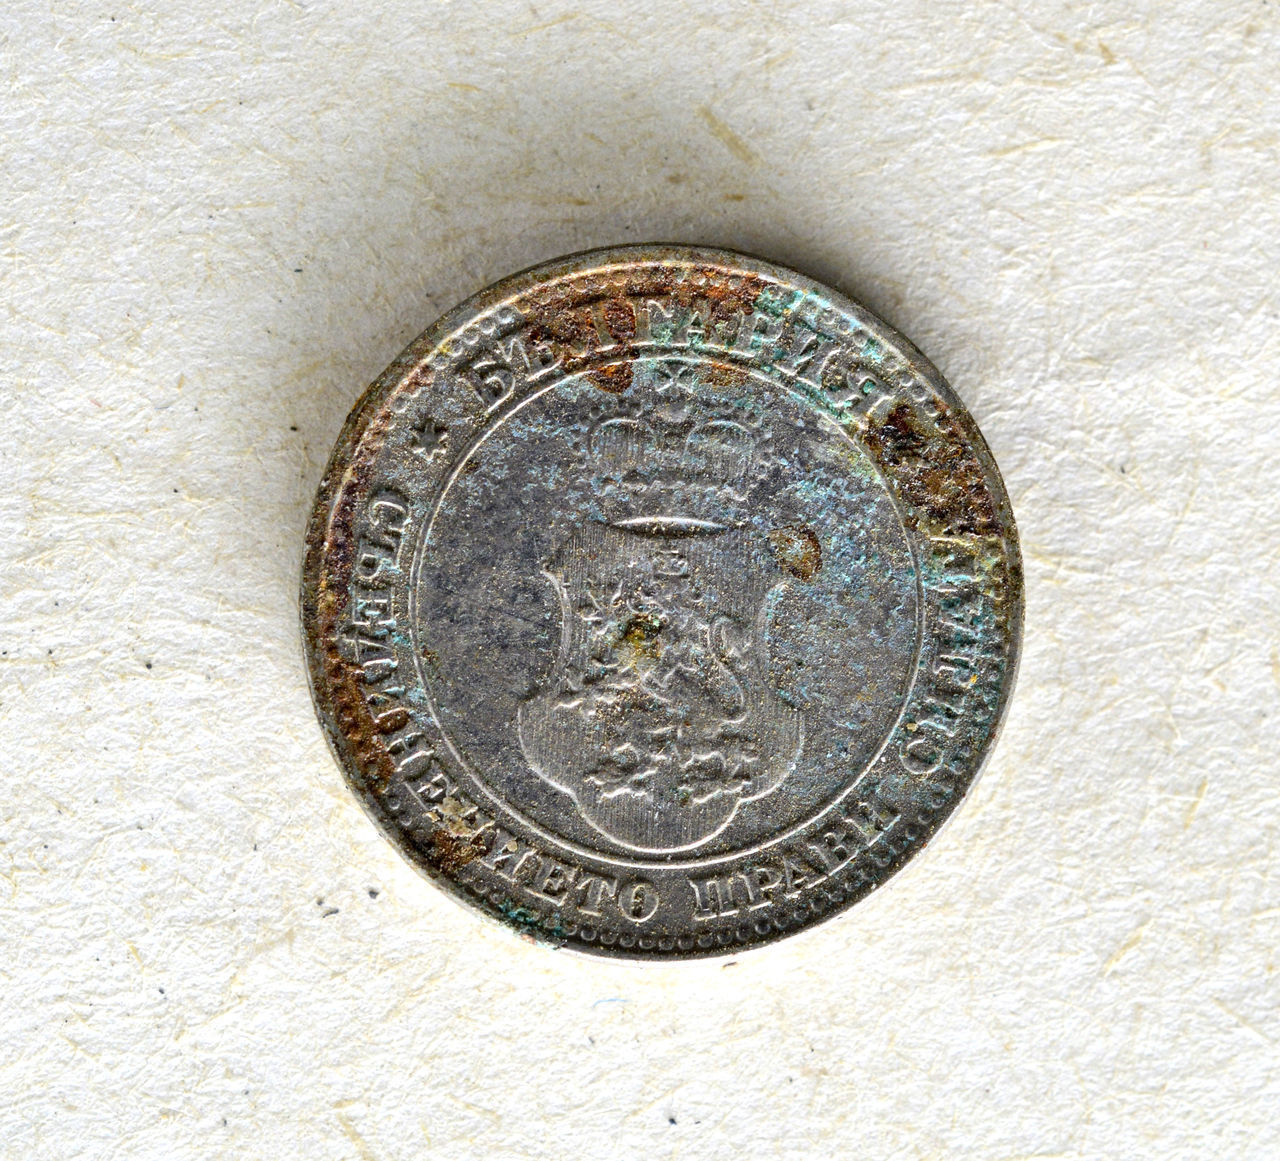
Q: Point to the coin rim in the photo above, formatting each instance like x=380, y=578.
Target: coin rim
x=585, y=262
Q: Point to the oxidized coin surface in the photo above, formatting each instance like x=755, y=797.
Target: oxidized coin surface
x=660, y=601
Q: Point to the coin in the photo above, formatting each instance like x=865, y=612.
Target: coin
x=660, y=602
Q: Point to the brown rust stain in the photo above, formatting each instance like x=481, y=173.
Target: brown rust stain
x=614, y=379
x=797, y=550
x=392, y=720
x=722, y=375
x=724, y=297
x=572, y=326
x=641, y=635
x=935, y=472
x=620, y=318
x=450, y=853
x=900, y=435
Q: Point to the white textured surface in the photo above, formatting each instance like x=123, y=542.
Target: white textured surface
x=217, y=228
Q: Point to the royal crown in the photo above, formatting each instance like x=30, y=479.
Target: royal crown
x=672, y=461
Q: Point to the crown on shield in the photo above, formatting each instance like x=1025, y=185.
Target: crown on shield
x=676, y=467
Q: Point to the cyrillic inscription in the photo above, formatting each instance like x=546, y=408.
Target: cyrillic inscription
x=852, y=832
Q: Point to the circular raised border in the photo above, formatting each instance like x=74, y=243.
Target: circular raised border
x=680, y=858
x=356, y=746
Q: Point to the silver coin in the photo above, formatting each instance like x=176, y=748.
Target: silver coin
x=660, y=602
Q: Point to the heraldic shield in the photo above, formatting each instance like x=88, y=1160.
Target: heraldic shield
x=658, y=716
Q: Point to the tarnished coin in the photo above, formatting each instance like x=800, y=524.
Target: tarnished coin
x=660, y=602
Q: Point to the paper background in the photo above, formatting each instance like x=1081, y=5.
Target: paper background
x=218, y=222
